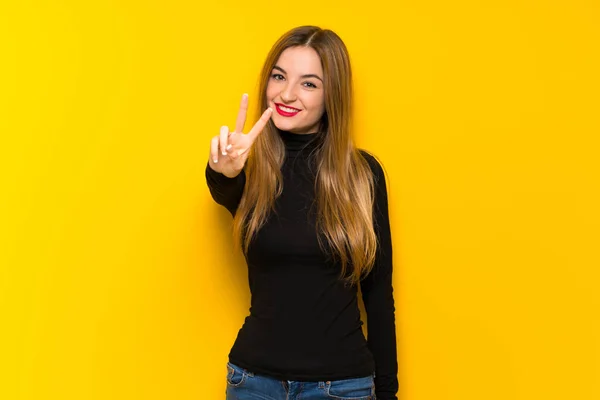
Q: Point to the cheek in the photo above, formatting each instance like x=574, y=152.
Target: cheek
x=271, y=92
x=317, y=104
x=314, y=102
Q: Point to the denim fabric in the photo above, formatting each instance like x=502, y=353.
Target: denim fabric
x=245, y=385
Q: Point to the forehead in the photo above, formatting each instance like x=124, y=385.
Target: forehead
x=300, y=60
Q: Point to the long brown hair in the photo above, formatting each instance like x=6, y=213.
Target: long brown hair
x=344, y=184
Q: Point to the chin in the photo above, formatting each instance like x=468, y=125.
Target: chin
x=283, y=126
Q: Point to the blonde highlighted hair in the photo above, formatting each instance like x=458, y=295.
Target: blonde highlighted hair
x=344, y=186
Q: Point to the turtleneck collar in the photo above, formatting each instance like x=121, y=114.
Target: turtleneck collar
x=295, y=142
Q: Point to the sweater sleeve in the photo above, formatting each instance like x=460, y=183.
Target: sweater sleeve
x=224, y=190
x=378, y=295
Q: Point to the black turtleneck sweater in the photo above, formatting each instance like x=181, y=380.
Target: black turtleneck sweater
x=304, y=323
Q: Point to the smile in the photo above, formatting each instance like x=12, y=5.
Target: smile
x=286, y=111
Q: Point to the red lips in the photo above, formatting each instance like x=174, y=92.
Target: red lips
x=285, y=113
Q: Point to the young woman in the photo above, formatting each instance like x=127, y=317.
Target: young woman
x=310, y=214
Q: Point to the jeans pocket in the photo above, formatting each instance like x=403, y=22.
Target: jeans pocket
x=236, y=376
x=352, y=389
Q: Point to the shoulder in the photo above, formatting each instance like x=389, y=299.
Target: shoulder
x=374, y=163
x=380, y=184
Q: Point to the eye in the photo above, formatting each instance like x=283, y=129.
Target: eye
x=311, y=85
x=277, y=77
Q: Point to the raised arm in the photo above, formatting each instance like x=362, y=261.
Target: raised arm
x=224, y=190
x=224, y=173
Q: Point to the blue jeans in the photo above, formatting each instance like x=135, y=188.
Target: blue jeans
x=245, y=385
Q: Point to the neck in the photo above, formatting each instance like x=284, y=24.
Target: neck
x=295, y=142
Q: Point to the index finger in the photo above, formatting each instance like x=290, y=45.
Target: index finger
x=241, y=118
x=260, y=124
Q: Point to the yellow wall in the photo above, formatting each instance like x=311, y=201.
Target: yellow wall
x=117, y=279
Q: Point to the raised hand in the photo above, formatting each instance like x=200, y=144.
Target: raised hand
x=229, y=150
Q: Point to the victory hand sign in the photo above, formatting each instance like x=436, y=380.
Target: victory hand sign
x=229, y=150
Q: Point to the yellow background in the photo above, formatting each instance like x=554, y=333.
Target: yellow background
x=117, y=278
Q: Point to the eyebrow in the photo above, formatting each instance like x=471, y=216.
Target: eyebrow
x=303, y=76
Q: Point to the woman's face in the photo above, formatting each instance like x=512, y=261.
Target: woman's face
x=295, y=90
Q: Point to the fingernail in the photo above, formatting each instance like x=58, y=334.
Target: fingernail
x=245, y=95
x=216, y=160
x=228, y=147
x=224, y=153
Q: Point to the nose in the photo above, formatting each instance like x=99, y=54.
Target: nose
x=288, y=94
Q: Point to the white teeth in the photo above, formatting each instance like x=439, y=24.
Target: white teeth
x=290, y=110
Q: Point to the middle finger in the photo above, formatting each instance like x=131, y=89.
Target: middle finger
x=241, y=118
